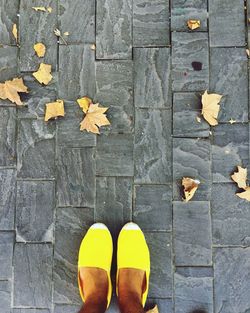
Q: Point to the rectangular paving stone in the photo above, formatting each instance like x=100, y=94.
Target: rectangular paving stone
x=230, y=216
x=191, y=158
x=7, y=198
x=153, y=146
x=83, y=15
x=7, y=136
x=35, y=149
x=186, y=49
x=77, y=63
x=115, y=90
x=8, y=64
x=229, y=77
x=35, y=211
x=75, y=177
x=230, y=148
x=5, y=296
x=193, y=290
x=114, y=29
x=70, y=228
x=8, y=17
x=32, y=275
x=37, y=27
x=68, y=128
x=192, y=233
x=6, y=254
x=120, y=146
x=161, y=265
x=151, y=23
x=152, y=79
x=182, y=11
x=65, y=308
x=232, y=279
x=153, y=207
x=226, y=23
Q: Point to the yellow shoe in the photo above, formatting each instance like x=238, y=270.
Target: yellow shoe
x=96, y=250
x=133, y=252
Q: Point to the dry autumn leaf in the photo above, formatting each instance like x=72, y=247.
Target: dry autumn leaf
x=84, y=103
x=240, y=177
x=40, y=49
x=210, y=107
x=193, y=24
x=245, y=194
x=43, y=74
x=43, y=9
x=49, y=9
x=54, y=110
x=154, y=310
x=9, y=90
x=190, y=186
x=14, y=31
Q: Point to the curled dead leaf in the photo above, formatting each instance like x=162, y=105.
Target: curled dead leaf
x=84, y=103
x=43, y=9
x=40, y=49
x=57, y=32
x=193, y=24
x=210, y=107
x=190, y=186
x=54, y=110
x=43, y=74
x=240, y=177
x=245, y=194
x=154, y=310
x=9, y=90
x=14, y=32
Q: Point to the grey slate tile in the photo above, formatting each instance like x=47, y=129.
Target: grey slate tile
x=35, y=211
x=153, y=145
x=35, y=149
x=186, y=49
x=230, y=216
x=75, y=177
x=229, y=77
x=7, y=198
x=8, y=17
x=70, y=228
x=31, y=310
x=182, y=11
x=115, y=90
x=152, y=79
x=114, y=155
x=192, y=233
x=186, y=109
x=226, y=23
x=193, y=291
x=8, y=64
x=7, y=136
x=32, y=275
x=77, y=63
x=153, y=207
x=191, y=158
x=151, y=23
x=161, y=265
x=6, y=248
x=5, y=296
x=164, y=305
x=65, y=308
x=37, y=27
x=232, y=279
x=230, y=148
x=114, y=29
x=82, y=13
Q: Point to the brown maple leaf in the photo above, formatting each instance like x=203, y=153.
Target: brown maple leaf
x=9, y=90
x=240, y=177
x=190, y=186
x=54, y=109
x=210, y=107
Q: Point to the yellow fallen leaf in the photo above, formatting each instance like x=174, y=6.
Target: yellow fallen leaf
x=49, y=9
x=54, y=109
x=94, y=118
x=240, y=177
x=245, y=194
x=84, y=103
x=43, y=74
x=9, y=90
x=43, y=9
x=190, y=186
x=40, y=49
x=154, y=310
x=210, y=107
x=193, y=24
x=14, y=31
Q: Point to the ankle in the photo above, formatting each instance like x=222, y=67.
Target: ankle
x=130, y=302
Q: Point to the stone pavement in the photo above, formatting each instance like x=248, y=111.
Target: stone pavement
x=55, y=181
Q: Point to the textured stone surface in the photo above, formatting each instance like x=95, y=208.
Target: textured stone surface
x=150, y=23
x=31, y=311
x=7, y=136
x=115, y=90
x=232, y=280
x=8, y=64
x=34, y=211
x=230, y=148
x=64, y=308
x=32, y=275
x=35, y=149
x=191, y=158
x=5, y=296
x=33, y=28
x=71, y=225
x=153, y=207
x=192, y=233
x=152, y=80
x=226, y=23
x=120, y=146
x=76, y=62
x=8, y=17
x=186, y=110
x=230, y=216
x=75, y=177
x=7, y=198
x=6, y=248
x=153, y=145
x=188, y=48
x=228, y=72
x=114, y=29
x=164, y=305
